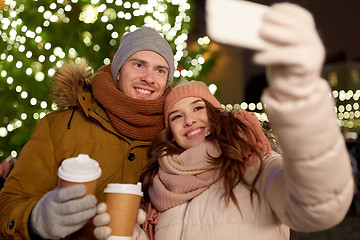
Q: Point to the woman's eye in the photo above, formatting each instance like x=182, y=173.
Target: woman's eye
x=198, y=108
x=175, y=117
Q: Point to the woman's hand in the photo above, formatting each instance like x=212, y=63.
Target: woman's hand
x=299, y=54
x=102, y=219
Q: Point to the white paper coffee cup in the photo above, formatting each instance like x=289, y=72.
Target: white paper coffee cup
x=81, y=169
x=123, y=202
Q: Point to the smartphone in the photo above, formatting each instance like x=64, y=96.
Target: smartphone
x=236, y=23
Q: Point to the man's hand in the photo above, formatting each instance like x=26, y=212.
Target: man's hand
x=61, y=212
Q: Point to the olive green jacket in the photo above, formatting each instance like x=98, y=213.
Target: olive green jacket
x=81, y=128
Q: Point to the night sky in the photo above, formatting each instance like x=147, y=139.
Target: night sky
x=337, y=21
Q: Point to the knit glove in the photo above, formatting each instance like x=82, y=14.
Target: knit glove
x=102, y=219
x=61, y=212
x=296, y=60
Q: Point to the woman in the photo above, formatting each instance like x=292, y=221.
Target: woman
x=213, y=175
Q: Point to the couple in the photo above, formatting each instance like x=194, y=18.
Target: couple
x=214, y=175
x=210, y=174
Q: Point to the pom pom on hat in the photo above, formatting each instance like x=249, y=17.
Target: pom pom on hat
x=188, y=89
x=143, y=39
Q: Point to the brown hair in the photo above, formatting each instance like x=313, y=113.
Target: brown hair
x=225, y=129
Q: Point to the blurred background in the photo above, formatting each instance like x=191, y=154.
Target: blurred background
x=38, y=36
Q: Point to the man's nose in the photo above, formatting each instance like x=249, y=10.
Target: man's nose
x=148, y=76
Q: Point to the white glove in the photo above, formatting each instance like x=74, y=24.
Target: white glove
x=297, y=59
x=61, y=212
x=102, y=219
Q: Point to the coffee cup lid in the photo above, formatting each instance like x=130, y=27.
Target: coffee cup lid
x=124, y=188
x=79, y=169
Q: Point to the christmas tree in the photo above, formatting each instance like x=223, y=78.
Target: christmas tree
x=38, y=36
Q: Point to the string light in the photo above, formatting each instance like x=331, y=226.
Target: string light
x=21, y=40
x=30, y=49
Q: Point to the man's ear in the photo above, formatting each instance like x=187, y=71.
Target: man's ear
x=117, y=80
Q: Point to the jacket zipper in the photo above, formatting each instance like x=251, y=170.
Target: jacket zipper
x=106, y=119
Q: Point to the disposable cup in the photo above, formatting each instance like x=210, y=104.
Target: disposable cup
x=122, y=202
x=80, y=170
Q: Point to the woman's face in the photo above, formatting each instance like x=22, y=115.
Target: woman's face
x=189, y=122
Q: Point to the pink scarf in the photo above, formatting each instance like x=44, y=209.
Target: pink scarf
x=185, y=176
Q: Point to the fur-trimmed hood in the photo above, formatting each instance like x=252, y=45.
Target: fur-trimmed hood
x=69, y=80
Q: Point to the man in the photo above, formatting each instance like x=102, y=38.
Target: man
x=113, y=117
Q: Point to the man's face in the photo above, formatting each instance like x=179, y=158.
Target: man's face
x=143, y=75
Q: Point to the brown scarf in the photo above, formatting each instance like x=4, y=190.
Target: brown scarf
x=134, y=118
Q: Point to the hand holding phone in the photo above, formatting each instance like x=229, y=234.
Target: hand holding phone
x=236, y=23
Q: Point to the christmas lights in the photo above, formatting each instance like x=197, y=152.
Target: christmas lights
x=36, y=37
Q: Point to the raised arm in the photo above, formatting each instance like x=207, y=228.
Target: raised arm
x=313, y=188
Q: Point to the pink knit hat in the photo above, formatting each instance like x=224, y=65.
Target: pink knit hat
x=188, y=89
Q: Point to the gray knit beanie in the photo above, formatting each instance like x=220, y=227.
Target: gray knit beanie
x=143, y=39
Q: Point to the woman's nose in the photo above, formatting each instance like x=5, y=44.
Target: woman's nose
x=189, y=121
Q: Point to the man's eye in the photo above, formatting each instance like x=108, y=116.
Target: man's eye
x=161, y=71
x=138, y=64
